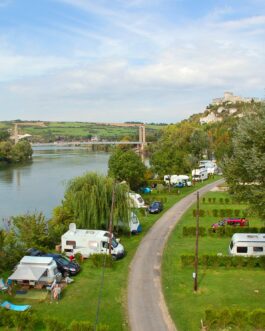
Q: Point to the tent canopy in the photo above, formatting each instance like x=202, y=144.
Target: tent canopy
x=28, y=273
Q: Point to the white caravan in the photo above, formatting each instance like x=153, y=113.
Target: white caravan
x=134, y=224
x=247, y=244
x=177, y=179
x=210, y=166
x=136, y=201
x=34, y=270
x=89, y=242
x=199, y=174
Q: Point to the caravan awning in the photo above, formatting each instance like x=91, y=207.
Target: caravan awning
x=27, y=273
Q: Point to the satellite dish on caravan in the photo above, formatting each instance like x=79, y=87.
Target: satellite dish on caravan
x=72, y=227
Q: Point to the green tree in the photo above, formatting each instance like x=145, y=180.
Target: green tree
x=4, y=135
x=126, y=165
x=172, y=152
x=245, y=170
x=22, y=151
x=31, y=230
x=88, y=201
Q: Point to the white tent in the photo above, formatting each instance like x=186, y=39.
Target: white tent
x=27, y=273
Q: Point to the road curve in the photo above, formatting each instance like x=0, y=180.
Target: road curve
x=147, y=309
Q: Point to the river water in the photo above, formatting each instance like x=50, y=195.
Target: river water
x=40, y=185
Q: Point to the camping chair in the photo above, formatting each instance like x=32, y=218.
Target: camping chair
x=3, y=286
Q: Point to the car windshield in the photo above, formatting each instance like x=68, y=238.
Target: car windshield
x=114, y=243
x=155, y=204
x=63, y=261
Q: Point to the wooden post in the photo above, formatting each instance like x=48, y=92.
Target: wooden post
x=111, y=217
x=196, y=245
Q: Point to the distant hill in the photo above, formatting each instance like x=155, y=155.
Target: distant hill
x=228, y=107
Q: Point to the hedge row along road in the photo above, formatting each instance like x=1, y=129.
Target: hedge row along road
x=146, y=305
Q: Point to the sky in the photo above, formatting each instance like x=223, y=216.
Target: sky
x=127, y=60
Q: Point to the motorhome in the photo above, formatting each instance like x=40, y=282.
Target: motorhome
x=199, y=174
x=89, y=242
x=136, y=201
x=247, y=244
x=181, y=180
x=35, y=270
x=210, y=166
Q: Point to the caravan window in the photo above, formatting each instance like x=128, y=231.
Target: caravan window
x=71, y=243
x=257, y=249
x=241, y=249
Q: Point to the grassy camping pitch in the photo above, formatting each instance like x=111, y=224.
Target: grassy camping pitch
x=218, y=287
x=80, y=299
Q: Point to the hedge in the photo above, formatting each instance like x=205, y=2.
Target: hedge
x=191, y=231
x=220, y=212
x=29, y=320
x=224, y=231
x=234, y=317
x=224, y=261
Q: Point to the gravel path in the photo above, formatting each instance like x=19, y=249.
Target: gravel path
x=146, y=304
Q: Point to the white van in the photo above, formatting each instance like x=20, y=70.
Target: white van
x=89, y=242
x=136, y=201
x=34, y=270
x=247, y=244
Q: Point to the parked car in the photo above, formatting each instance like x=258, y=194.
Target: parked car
x=155, y=207
x=64, y=265
x=231, y=221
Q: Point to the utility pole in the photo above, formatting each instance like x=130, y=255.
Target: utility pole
x=195, y=275
x=111, y=217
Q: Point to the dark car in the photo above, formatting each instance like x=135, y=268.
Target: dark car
x=155, y=207
x=64, y=265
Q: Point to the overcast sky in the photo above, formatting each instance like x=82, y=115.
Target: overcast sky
x=127, y=60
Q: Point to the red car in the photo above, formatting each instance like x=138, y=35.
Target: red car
x=231, y=221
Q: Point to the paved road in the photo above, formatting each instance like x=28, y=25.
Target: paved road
x=146, y=305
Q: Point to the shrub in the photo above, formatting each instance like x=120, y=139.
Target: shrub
x=237, y=212
x=227, y=201
x=215, y=212
x=214, y=200
x=81, y=326
x=201, y=212
x=24, y=321
x=210, y=200
x=191, y=231
x=221, y=201
x=79, y=258
x=102, y=259
x=203, y=200
x=229, y=212
x=194, y=212
x=53, y=324
x=222, y=212
x=187, y=260
x=257, y=318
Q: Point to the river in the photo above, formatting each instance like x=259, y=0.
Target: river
x=40, y=184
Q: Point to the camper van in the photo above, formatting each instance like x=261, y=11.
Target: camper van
x=247, y=244
x=89, y=242
x=178, y=180
x=136, y=201
x=199, y=174
x=35, y=270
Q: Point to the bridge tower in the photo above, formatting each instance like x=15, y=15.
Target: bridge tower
x=142, y=138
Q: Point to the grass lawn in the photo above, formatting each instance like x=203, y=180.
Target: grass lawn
x=218, y=287
x=80, y=298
